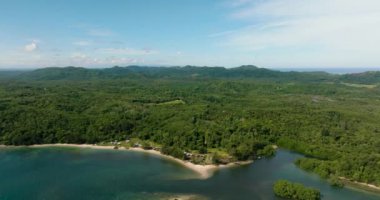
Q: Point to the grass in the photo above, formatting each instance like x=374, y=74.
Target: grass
x=359, y=85
x=175, y=102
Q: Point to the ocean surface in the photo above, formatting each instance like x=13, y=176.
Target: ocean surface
x=73, y=173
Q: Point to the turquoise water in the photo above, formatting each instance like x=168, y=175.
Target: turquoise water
x=69, y=173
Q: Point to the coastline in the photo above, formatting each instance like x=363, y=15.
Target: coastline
x=360, y=185
x=204, y=171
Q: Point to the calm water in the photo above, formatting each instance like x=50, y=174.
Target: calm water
x=68, y=173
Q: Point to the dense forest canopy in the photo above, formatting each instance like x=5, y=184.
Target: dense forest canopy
x=295, y=191
x=239, y=112
x=190, y=72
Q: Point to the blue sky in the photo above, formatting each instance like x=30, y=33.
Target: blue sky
x=267, y=33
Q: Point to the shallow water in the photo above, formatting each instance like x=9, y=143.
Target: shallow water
x=71, y=173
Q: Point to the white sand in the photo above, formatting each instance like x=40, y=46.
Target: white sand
x=204, y=171
x=91, y=146
x=366, y=185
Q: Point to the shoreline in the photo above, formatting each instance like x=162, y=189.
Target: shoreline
x=360, y=185
x=204, y=171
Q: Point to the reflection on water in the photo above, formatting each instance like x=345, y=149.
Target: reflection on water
x=67, y=173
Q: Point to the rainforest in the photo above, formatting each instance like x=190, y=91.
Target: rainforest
x=223, y=114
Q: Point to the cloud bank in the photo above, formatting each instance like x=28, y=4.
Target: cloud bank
x=300, y=32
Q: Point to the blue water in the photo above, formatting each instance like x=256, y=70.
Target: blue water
x=69, y=173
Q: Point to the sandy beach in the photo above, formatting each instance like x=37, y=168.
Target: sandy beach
x=204, y=171
x=92, y=146
x=365, y=186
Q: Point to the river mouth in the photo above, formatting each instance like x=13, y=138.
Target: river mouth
x=72, y=173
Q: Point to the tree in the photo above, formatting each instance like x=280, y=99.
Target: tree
x=295, y=191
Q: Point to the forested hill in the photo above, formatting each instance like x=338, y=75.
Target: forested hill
x=363, y=78
x=188, y=72
x=222, y=114
x=193, y=72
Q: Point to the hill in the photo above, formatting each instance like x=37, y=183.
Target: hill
x=224, y=114
x=187, y=72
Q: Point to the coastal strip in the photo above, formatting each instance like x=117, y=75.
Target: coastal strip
x=360, y=185
x=204, y=171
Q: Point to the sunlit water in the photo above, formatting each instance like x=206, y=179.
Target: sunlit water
x=69, y=173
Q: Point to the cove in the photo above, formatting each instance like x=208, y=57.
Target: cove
x=73, y=173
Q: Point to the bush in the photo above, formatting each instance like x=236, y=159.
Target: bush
x=267, y=151
x=173, y=151
x=296, y=191
x=336, y=182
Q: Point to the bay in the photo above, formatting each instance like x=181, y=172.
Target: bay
x=73, y=173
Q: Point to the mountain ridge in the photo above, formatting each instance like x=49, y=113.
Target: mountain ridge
x=193, y=72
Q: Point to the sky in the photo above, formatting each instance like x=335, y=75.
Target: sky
x=230, y=33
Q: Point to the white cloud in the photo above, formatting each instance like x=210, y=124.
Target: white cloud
x=30, y=47
x=326, y=32
x=78, y=56
x=123, y=61
x=82, y=43
x=81, y=59
x=127, y=51
x=306, y=8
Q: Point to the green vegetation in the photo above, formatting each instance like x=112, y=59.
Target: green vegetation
x=336, y=182
x=174, y=102
x=174, y=151
x=362, y=78
x=226, y=114
x=360, y=85
x=295, y=191
x=267, y=151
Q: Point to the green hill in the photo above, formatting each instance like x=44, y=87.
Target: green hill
x=228, y=114
x=187, y=72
